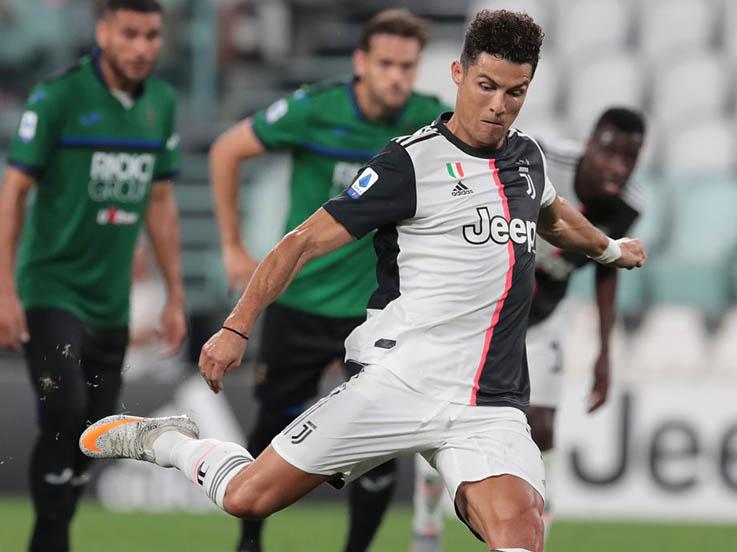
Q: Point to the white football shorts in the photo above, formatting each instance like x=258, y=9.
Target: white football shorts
x=375, y=416
x=545, y=361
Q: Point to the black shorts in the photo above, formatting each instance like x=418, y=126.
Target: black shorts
x=72, y=364
x=296, y=347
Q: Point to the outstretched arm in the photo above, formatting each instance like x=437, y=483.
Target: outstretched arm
x=317, y=236
x=564, y=227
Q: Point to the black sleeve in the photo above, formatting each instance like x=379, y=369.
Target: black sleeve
x=384, y=192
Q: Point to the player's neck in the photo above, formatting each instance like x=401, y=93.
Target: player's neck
x=370, y=108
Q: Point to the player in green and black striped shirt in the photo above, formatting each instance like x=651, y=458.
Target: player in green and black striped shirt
x=331, y=129
x=98, y=146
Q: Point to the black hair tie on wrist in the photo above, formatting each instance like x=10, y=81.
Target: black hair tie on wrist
x=244, y=336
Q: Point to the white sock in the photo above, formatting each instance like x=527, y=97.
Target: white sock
x=428, y=515
x=548, y=462
x=208, y=463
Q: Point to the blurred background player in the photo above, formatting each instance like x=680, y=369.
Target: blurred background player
x=99, y=143
x=331, y=129
x=595, y=178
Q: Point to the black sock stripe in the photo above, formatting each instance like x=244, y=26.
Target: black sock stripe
x=223, y=471
x=232, y=464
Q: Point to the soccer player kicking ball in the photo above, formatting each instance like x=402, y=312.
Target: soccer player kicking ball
x=596, y=178
x=330, y=130
x=443, y=349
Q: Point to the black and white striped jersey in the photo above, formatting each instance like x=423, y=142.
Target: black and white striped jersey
x=614, y=217
x=455, y=242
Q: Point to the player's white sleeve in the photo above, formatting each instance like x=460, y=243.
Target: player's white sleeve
x=549, y=193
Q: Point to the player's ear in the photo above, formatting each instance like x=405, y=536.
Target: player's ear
x=457, y=72
x=359, y=62
x=102, y=32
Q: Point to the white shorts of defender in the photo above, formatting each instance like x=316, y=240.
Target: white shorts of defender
x=375, y=416
x=545, y=361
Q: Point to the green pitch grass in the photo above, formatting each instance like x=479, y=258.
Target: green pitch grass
x=312, y=527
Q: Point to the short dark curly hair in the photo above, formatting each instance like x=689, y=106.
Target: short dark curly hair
x=509, y=35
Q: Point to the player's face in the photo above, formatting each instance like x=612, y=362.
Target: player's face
x=491, y=92
x=130, y=43
x=389, y=69
x=608, y=162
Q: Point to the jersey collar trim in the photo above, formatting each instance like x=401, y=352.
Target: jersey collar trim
x=440, y=124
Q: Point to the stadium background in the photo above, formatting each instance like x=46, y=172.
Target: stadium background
x=665, y=447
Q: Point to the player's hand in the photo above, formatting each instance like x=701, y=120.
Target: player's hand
x=600, y=389
x=239, y=267
x=222, y=353
x=172, y=330
x=633, y=254
x=13, y=327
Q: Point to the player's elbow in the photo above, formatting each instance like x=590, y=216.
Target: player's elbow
x=298, y=243
x=220, y=151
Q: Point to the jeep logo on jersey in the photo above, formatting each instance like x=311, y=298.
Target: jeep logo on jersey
x=363, y=182
x=120, y=177
x=499, y=230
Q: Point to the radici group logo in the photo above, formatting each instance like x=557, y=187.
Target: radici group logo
x=122, y=177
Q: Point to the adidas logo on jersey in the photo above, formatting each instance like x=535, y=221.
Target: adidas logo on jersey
x=461, y=189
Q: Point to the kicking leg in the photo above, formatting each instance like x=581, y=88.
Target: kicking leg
x=226, y=472
x=505, y=511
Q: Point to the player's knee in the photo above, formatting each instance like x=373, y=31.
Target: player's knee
x=510, y=512
x=247, y=502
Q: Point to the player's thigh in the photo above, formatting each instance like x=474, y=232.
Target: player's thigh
x=295, y=349
x=268, y=485
x=103, y=353
x=495, y=442
x=504, y=511
x=361, y=424
x=53, y=356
